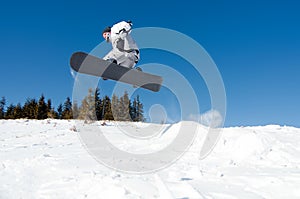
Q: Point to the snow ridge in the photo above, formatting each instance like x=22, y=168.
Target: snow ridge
x=45, y=159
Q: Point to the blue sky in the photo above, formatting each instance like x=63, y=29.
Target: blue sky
x=255, y=44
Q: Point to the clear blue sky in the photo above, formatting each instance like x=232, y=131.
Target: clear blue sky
x=255, y=44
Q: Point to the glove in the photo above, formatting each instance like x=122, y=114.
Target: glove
x=121, y=29
x=124, y=26
x=130, y=23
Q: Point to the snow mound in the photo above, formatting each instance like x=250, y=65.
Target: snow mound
x=45, y=159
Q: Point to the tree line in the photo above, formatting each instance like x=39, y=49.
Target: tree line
x=92, y=107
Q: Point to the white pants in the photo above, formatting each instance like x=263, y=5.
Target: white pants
x=125, y=59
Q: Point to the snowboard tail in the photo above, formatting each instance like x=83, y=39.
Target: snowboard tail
x=88, y=64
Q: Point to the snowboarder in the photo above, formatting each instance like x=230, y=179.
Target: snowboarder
x=125, y=51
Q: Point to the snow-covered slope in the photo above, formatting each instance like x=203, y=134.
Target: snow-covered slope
x=45, y=159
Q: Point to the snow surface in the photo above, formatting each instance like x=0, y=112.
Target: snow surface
x=45, y=159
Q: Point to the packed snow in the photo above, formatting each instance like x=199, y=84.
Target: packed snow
x=46, y=159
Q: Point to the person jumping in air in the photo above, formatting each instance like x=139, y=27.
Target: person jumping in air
x=125, y=51
x=120, y=63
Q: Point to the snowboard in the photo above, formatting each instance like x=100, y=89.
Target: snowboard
x=88, y=64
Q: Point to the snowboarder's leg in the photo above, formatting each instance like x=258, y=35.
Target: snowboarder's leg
x=128, y=60
x=110, y=55
x=127, y=63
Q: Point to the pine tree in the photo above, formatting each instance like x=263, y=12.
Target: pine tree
x=18, y=111
x=53, y=114
x=67, y=110
x=2, y=107
x=42, y=112
x=121, y=107
x=98, y=103
x=87, y=110
x=124, y=114
x=10, y=112
x=59, y=111
x=139, y=110
x=75, y=110
x=133, y=113
x=107, y=110
x=130, y=108
x=51, y=111
x=127, y=108
x=49, y=104
x=115, y=107
x=30, y=109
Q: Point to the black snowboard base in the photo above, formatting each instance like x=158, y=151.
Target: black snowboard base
x=88, y=64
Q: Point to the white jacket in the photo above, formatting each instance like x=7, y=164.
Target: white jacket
x=124, y=49
x=121, y=38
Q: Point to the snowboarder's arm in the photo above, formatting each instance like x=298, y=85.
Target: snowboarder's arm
x=118, y=44
x=121, y=29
